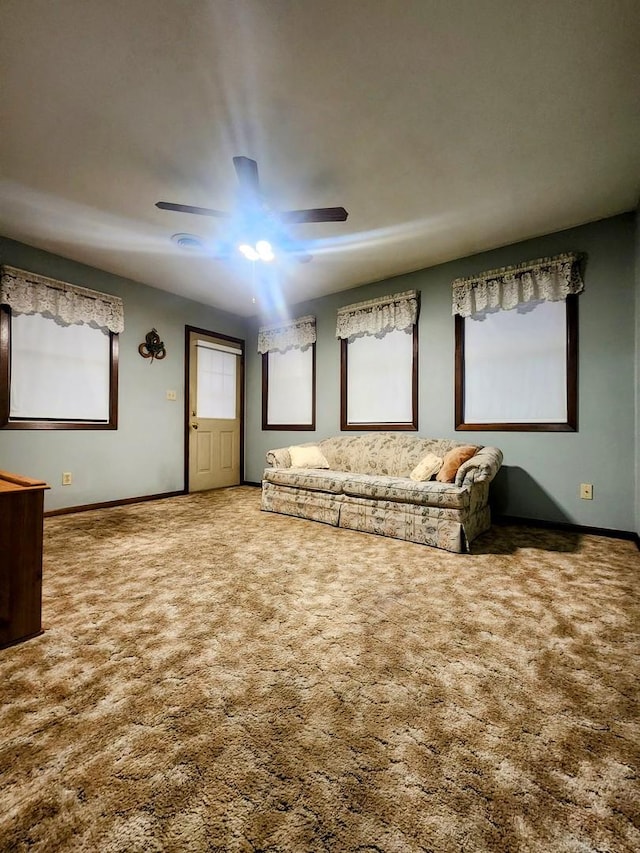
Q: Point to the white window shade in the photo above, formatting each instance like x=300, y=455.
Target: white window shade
x=516, y=366
x=58, y=372
x=216, y=377
x=379, y=379
x=290, y=399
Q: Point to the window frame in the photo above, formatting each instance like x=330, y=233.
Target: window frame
x=265, y=397
x=42, y=423
x=571, y=423
x=390, y=426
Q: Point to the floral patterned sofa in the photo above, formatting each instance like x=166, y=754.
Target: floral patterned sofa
x=368, y=487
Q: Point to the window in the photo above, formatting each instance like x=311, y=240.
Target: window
x=57, y=373
x=379, y=364
x=379, y=381
x=516, y=348
x=216, y=381
x=288, y=389
x=288, y=374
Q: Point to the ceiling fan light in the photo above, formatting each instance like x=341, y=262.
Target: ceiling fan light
x=264, y=250
x=249, y=252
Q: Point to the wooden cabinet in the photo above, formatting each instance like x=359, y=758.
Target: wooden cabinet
x=21, y=520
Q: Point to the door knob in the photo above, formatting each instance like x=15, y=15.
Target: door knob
x=195, y=426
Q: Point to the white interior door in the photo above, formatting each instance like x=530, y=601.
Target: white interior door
x=215, y=389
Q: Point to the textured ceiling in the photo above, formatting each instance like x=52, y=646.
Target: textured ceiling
x=445, y=127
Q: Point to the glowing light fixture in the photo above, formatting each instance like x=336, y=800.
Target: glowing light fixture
x=261, y=252
x=249, y=252
x=263, y=248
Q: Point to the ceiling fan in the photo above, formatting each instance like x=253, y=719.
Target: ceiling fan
x=256, y=228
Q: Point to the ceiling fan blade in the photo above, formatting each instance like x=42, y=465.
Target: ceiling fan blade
x=187, y=208
x=247, y=171
x=315, y=214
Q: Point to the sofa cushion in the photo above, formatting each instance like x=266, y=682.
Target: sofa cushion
x=303, y=456
x=453, y=460
x=429, y=465
x=404, y=490
x=314, y=479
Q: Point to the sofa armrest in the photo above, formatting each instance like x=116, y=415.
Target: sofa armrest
x=481, y=468
x=279, y=458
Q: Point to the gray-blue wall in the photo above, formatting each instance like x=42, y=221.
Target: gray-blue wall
x=542, y=471
x=145, y=455
x=541, y=474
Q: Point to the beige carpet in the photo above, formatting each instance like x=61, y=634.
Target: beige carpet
x=214, y=678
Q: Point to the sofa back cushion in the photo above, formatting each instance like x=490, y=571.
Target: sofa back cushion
x=453, y=460
x=383, y=453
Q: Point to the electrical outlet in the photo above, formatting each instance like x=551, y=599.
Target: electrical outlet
x=586, y=491
x=66, y=479
x=171, y=395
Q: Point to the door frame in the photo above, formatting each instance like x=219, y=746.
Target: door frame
x=239, y=342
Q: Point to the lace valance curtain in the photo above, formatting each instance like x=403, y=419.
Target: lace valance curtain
x=28, y=293
x=547, y=279
x=378, y=316
x=280, y=337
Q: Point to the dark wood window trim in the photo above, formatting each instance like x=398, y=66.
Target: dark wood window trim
x=387, y=427
x=570, y=425
x=265, y=397
x=43, y=423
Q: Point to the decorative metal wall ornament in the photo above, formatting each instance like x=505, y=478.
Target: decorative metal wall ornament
x=152, y=347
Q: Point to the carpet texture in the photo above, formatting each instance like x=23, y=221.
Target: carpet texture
x=214, y=678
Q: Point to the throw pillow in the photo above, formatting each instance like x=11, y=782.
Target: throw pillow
x=429, y=465
x=453, y=460
x=307, y=457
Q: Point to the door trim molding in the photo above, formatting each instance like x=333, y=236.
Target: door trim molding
x=187, y=377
